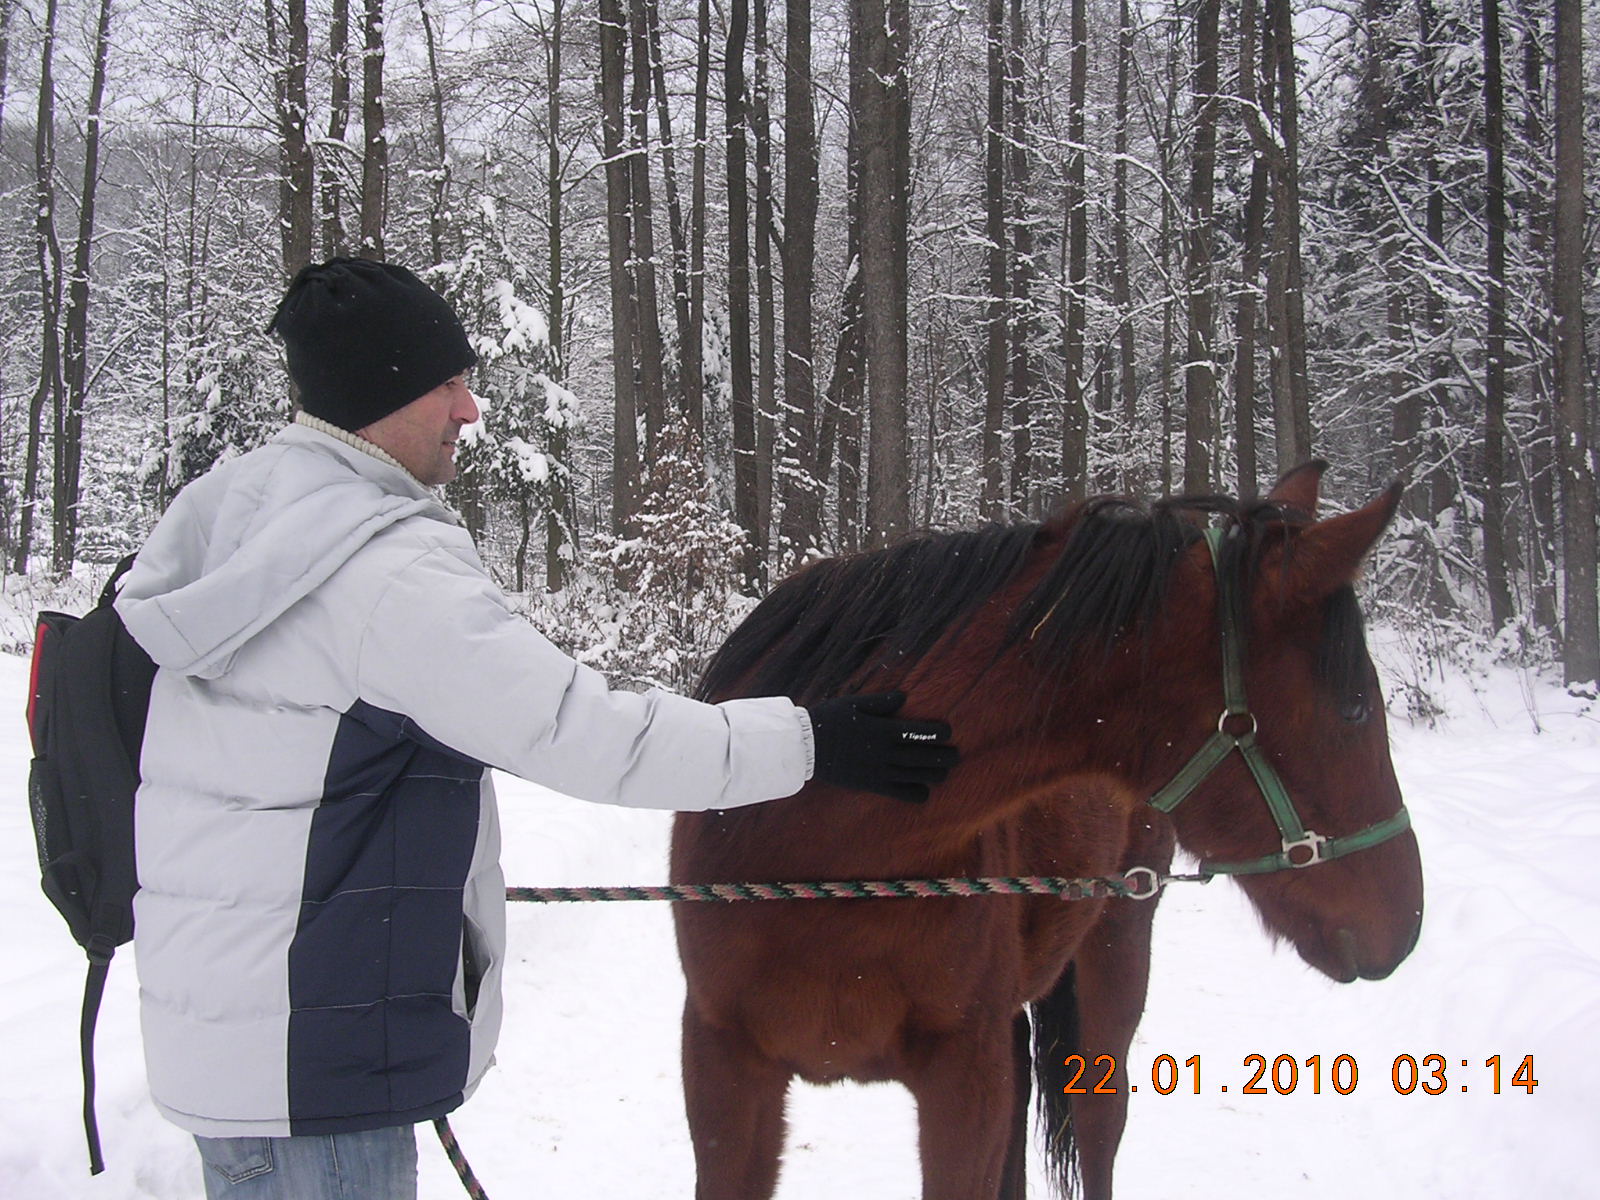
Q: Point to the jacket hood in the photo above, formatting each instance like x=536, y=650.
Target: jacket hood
x=256, y=536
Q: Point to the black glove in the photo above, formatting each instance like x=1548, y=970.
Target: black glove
x=860, y=745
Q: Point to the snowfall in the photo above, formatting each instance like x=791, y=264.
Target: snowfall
x=1504, y=790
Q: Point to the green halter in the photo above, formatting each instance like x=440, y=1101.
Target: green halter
x=1302, y=847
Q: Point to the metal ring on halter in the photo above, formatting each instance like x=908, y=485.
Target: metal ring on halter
x=1135, y=890
x=1223, y=720
x=1313, y=842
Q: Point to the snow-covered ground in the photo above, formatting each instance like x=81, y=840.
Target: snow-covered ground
x=585, y=1102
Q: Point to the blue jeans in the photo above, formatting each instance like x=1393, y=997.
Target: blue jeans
x=380, y=1164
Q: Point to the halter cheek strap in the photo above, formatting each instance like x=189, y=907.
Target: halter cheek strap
x=1301, y=847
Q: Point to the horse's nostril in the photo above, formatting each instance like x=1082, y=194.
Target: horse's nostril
x=1346, y=939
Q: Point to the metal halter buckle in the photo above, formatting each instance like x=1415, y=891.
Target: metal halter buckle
x=1150, y=886
x=1314, y=842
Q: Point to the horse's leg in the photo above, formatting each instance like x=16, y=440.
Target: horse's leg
x=1014, y=1181
x=734, y=1097
x=1113, y=972
x=963, y=1085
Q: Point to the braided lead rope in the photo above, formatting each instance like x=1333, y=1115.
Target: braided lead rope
x=458, y=1160
x=1139, y=883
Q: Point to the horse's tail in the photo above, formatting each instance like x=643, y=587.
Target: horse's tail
x=1056, y=1035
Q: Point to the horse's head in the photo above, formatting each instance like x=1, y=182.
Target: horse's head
x=1314, y=701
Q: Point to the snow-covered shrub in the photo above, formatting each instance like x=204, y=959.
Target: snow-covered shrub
x=516, y=457
x=1424, y=589
x=239, y=399
x=650, y=610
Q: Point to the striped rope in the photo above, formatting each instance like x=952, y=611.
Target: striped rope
x=1092, y=888
x=458, y=1160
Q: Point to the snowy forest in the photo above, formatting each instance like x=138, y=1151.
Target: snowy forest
x=750, y=283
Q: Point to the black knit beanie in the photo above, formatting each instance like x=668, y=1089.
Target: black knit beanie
x=366, y=338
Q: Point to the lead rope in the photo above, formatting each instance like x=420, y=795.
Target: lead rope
x=1139, y=883
x=458, y=1160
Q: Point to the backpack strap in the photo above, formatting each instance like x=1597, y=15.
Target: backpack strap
x=115, y=779
x=108, y=594
x=94, y=987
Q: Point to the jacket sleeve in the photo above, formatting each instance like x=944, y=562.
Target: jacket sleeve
x=443, y=648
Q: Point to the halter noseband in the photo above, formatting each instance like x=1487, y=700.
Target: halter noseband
x=1302, y=847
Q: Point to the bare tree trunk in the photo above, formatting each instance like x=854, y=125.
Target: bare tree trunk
x=524, y=536
x=1200, y=376
x=1166, y=152
x=841, y=407
x=746, y=504
x=896, y=447
x=1020, y=326
x=6, y=9
x=1581, y=635
x=192, y=255
x=1407, y=417
x=802, y=484
x=164, y=310
x=289, y=49
x=75, y=354
x=559, y=516
x=1494, y=384
x=882, y=25
x=669, y=178
x=994, y=201
x=48, y=254
x=1105, y=477
x=1121, y=282
x=619, y=241
x=693, y=371
x=850, y=368
x=830, y=400
x=1434, y=490
x=934, y=349
x=1286, y=294
x=652, y=393
x=766, y=315
x=6, y=546
x=1244, y=356
x=1377, y=103
x=1542, y=469
x=441, y=152
x=851, y=393
x=1075, y=430
x=375, y=137
x=333, y=240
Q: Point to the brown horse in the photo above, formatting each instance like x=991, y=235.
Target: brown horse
x=1081, y=664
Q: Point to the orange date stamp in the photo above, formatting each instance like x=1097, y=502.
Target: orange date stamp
x=1286, y=1074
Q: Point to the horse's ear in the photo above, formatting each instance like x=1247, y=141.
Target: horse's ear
x=1328, y=555
x=1298, y=489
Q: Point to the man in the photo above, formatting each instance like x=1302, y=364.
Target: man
x=320, y=925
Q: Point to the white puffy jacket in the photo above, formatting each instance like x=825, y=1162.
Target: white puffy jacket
x=320, y=926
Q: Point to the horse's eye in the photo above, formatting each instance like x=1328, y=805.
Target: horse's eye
x=1354, y=710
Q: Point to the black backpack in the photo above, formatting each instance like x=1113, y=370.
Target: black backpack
x=88, y=699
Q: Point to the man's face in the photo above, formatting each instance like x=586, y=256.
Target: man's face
x=423, y=434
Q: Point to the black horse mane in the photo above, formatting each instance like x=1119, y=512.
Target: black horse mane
x=826, y=626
